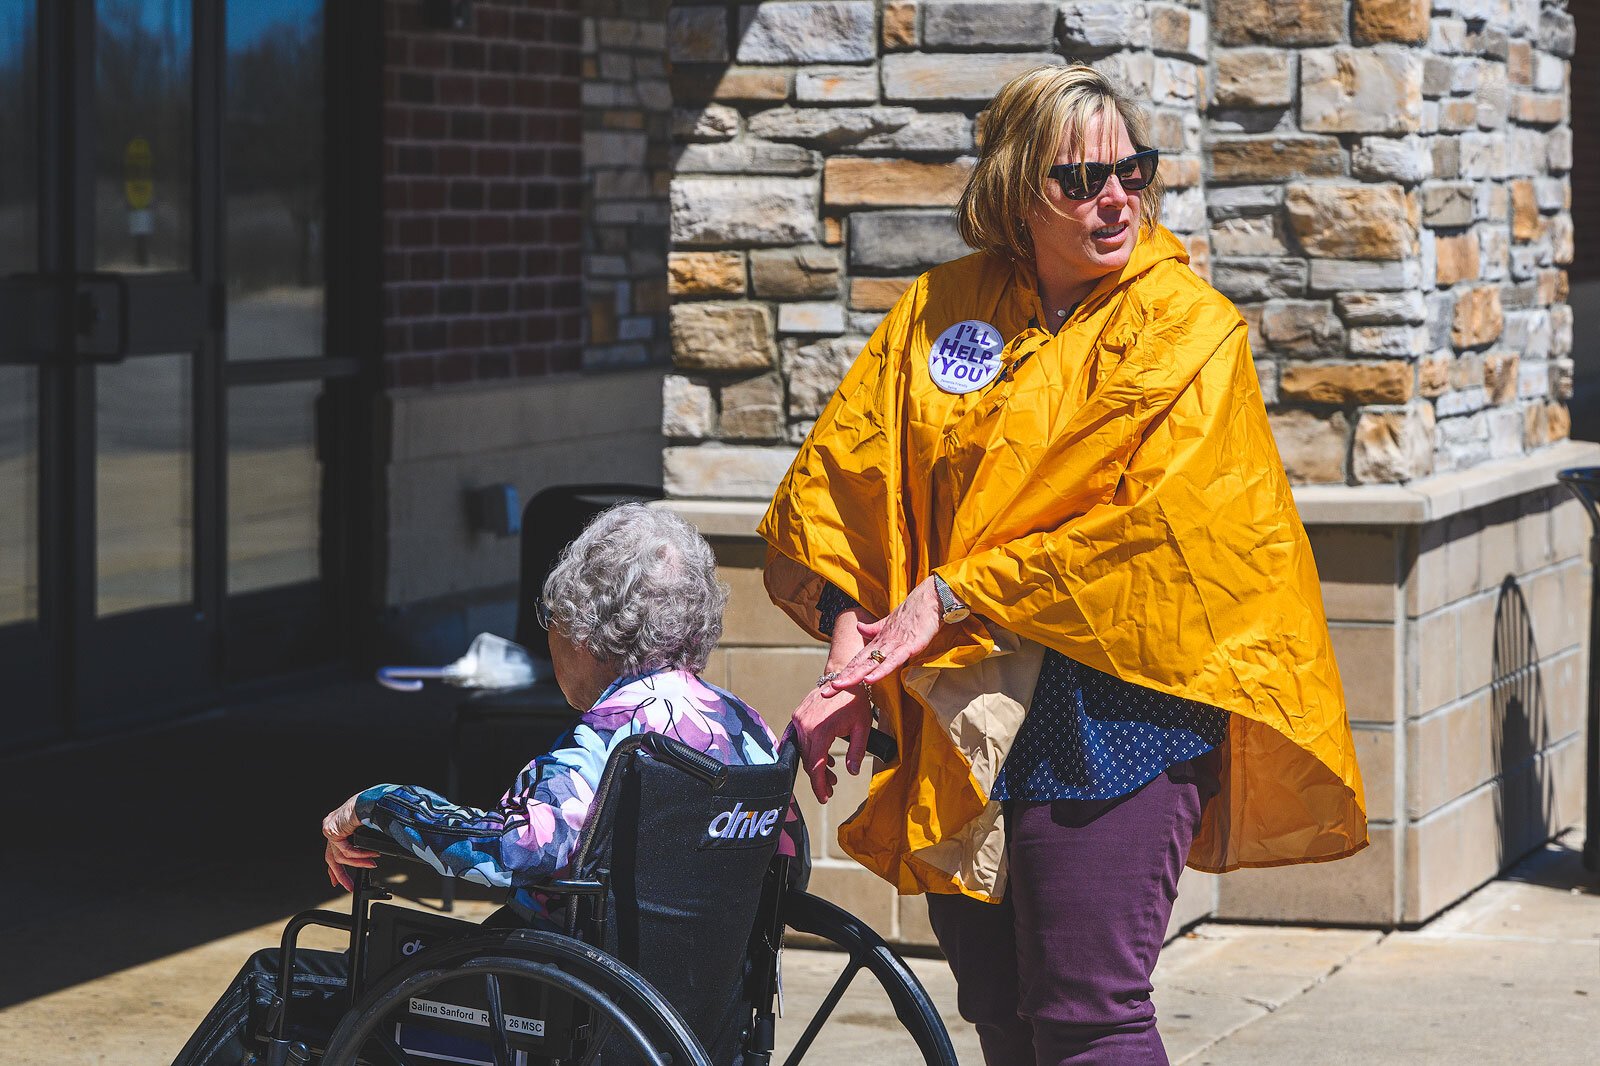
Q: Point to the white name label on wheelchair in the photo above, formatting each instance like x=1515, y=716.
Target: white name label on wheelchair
x=452, y=1012
x=746, y=824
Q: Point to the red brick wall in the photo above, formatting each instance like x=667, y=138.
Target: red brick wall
x=483, y=188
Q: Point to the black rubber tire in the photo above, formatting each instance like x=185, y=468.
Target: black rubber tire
x=805, y=913
x=649, y=1025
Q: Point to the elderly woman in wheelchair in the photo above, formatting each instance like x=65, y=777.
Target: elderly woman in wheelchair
x=647, y=859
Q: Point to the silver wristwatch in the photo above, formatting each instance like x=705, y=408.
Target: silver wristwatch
x=951, y=610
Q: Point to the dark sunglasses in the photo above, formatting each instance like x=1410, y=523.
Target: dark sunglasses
x=1083, y=181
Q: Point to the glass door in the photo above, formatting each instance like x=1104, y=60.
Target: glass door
x=168, y=359
x=30, y=712
x=146, y=358
x=280, y=371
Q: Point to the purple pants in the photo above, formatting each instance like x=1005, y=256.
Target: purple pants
x=1060, y=971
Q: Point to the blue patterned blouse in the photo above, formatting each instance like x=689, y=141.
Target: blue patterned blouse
x=1088, y=735
x=532, y=832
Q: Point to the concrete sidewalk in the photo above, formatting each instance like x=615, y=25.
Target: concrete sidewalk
x=1510, y=975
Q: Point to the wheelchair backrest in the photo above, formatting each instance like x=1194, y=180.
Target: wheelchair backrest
x=684, y=849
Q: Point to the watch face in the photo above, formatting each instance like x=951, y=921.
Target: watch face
x=956, y=614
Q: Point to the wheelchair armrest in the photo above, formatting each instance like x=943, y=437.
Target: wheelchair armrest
x=372, y=840
x=571, y=886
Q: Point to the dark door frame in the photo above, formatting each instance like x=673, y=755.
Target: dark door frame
x=53, y=698
x=353, y=527
x=112, y=677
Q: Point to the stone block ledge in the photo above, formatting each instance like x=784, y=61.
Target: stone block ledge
x=1426, y=500
x=719, y=518
x=1433, y=498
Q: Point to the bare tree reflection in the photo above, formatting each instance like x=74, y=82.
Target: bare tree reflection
x=19, y=192
x=144, y=89
x=274, y=155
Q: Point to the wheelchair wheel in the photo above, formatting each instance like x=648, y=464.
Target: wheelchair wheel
x=611, y=1007
x=866, y=950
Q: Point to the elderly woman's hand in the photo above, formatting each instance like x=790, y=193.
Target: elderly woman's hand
x=818, y=721
x=339, y=853
x=893, y=640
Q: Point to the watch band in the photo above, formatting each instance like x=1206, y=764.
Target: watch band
x=951, y=609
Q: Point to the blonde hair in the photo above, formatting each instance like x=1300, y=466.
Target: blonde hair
x=1020, y=134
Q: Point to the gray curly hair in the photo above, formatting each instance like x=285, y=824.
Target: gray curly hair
x=639, y=588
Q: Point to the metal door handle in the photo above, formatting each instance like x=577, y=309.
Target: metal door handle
x=89, y=315
x=100, y=317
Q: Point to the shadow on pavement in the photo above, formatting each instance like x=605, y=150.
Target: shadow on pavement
x=134, y=847
x=1559, y=865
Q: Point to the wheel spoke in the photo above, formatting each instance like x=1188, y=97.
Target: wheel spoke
x=913, y=1007
x=601, y=1032
x=624, y=1011
x=819, y=1019
x=395, y=1053
x=497, y=1022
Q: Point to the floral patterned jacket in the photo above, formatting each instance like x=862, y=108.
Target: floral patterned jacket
x=531, y=834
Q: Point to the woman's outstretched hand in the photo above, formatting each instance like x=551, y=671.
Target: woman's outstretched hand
x=821, y=719
x=339, y=853
x=892, y=641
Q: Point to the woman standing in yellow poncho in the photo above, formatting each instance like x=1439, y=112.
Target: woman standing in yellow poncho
x=1044, y=519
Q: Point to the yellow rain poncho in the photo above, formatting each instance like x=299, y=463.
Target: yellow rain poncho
x=1114, y=494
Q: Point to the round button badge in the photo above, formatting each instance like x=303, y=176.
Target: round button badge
x=966, y=357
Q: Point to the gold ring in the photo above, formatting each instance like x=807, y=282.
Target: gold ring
x=875, y=655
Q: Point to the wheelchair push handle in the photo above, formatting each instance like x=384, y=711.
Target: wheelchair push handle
x=707, y=768
x=695, y=763
x=882, y=746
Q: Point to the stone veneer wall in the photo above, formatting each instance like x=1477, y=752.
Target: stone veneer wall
x=821, y=145
x=627, y=128
x=1384, y=194
x=1390, y=209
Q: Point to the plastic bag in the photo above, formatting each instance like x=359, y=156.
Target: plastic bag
x=490, y=663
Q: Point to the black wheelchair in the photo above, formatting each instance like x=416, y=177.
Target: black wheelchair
x=675, y=907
